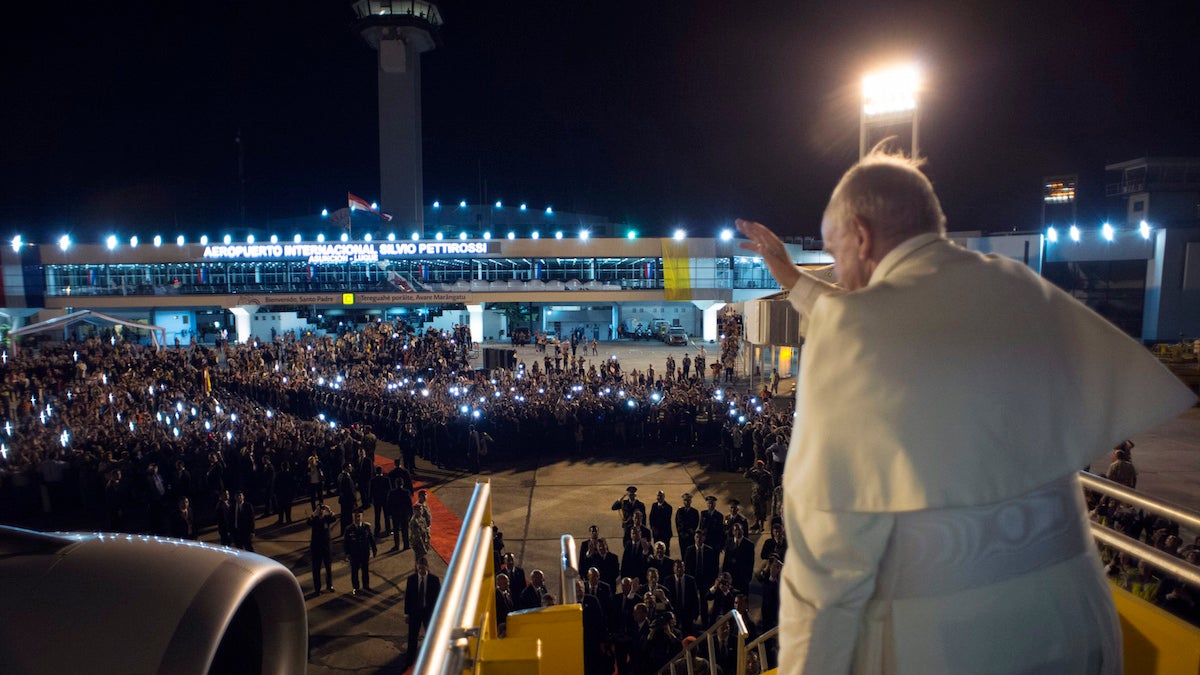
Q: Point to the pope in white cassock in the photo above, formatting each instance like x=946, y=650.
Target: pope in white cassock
x=946, y=401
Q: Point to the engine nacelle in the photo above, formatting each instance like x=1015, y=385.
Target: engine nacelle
x=118, y=603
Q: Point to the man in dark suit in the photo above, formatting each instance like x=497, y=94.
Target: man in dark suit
x=685, y=597
x=588, y=547
x=504, y=599
x=712, y=522
x=320, y=548
x=660, y=560
x=531, y=597
x=224, y=516
x=595, y=586
x=243, y=523
x=770, y=594
x=183, y=520
x=360, y=547
x=346, y=497
x=605, y=561
x=420, y=595
x=700, y=561
x=399, y=474
x=285, y=492
x=596, y=660
x=379, y=488
x=516, y=576
x=660, y=520
x=687, y=519
x=739, y=559
x=635, y=559
x=400, y=510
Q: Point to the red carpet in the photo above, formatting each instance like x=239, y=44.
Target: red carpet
x=443, y=535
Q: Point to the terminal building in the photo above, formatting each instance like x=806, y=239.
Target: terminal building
x=503, y=268
x=555, y=280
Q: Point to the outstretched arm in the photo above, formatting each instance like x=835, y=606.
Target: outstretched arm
x=804, y=286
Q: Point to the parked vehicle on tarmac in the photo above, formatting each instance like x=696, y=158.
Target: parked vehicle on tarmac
x=676, y=335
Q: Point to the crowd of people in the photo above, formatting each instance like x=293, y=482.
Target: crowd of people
x=112, y=434
x=1161, y=533
x=107, y=433
x=679, y=570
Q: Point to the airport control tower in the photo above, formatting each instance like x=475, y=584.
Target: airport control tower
x=400, y=30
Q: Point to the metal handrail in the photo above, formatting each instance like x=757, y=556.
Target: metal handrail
x=1175, y=512
x=706, y=638
x=569, y=572
x=1166, y=562
x=446, y=637
x=759, y=644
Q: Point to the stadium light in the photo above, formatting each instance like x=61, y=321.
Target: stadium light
x=1107, y=232
x=679, y=235
x=1052, y=235
x=1144, y=228
x=889, y=96
x=111, y=242
x=1074, y=233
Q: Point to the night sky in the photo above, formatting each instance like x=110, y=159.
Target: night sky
x=122, y=117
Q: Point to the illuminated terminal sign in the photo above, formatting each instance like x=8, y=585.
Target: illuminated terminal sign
x=318, y=254
x=1059, y=189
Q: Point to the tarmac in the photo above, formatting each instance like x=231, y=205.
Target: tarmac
x=543, y=495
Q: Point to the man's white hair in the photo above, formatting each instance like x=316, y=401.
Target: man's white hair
x=890, y=195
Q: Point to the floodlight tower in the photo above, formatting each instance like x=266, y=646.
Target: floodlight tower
x=400, y=30
x=889, y=99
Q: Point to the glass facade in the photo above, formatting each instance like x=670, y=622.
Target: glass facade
x=227, y=277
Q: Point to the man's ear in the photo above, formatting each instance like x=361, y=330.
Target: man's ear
x=863, y=237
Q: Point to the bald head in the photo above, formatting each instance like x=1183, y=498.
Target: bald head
x=891, y=197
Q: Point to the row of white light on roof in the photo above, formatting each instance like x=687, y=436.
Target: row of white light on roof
x=499, y=204
x=462, y=205
x=111, y=242
x=1106, y=231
